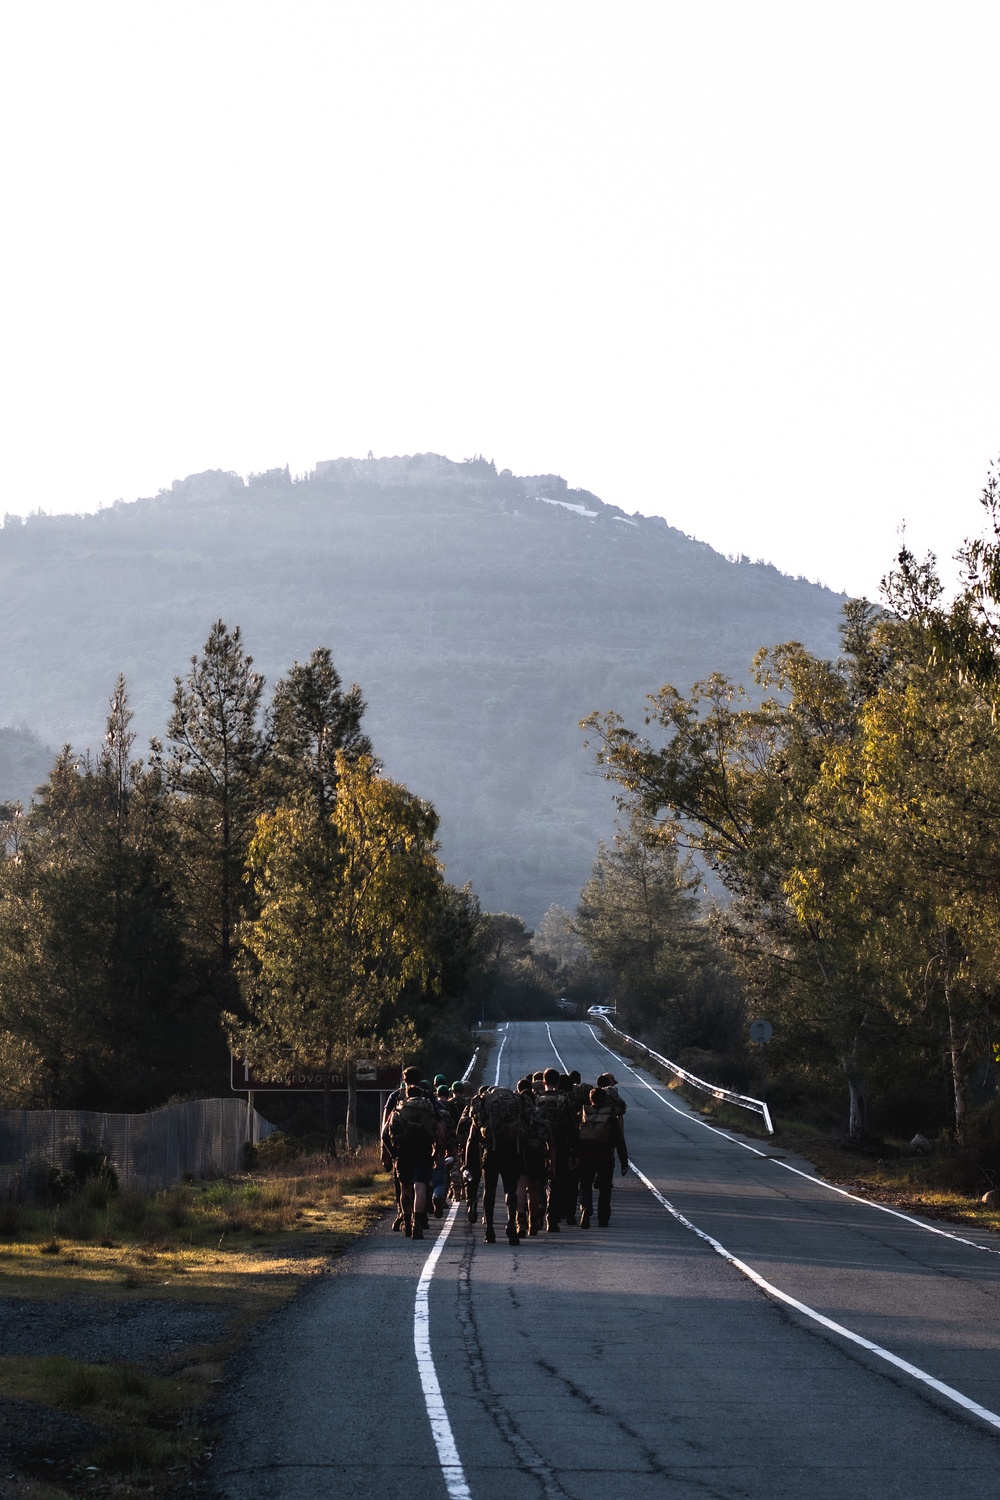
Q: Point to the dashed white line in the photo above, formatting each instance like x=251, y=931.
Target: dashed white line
x=444, y=1440
x=555, y=1049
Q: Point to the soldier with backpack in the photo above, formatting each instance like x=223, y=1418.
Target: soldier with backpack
x=555, y=1109
x=470, y=1155
x=411, y=1134
x=531, y=1188
x=500, y=1118
x=601, y=1135
x=609, y=1083
x=410, y=1075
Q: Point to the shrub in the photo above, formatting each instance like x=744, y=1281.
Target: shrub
x=94, y=1166
x=131, y=1208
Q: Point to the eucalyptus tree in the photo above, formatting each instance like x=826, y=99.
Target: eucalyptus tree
x=734, y=782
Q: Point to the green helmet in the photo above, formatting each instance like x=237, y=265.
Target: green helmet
x=439, y=1078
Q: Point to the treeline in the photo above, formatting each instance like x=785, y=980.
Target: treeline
x=254, y=881
x=850, y=810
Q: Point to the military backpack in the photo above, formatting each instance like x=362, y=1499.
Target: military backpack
x=597, y=1123
x=413, y=1123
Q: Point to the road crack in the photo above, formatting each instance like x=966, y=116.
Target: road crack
x=528, y=1458
x=654, y=1464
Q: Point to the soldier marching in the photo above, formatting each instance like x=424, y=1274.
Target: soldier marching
x=551, y=1143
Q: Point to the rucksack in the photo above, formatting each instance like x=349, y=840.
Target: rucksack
x=536, y=1136
x=413, y=1122
x=558, y=1114
x=501, y=1118
x=597, y=1123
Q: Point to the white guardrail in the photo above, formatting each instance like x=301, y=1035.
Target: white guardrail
x=743, y=1100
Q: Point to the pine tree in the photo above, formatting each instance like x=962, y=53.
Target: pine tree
x=212, y=766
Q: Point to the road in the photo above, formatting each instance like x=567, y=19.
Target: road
x=638, y=1361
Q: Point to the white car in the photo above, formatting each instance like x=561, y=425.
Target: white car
x=601, y=1010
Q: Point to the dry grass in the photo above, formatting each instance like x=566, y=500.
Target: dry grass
x=248, y=1243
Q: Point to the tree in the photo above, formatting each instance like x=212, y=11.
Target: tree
x=91, y=965
x=312, y=719
x=636, y=914
x=212, y=766
x=735, y=782
x=557, y=941
x=342, y=945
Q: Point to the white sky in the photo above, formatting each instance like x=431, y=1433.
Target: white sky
x=736, y=264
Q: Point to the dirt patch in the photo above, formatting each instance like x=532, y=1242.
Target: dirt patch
x=40, y=1441
x=141, y=1332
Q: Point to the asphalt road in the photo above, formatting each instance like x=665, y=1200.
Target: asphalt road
x=636, y=1361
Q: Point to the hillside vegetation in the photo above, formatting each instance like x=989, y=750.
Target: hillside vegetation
x=483, y=614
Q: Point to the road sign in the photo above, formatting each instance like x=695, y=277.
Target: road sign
x=297, y=1080
x=761, y=1031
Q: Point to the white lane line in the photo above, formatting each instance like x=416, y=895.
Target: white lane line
x=855, y=1338
x=882, y=1208
x=555, y=1049
x=455, y=1481
x=496, y=1076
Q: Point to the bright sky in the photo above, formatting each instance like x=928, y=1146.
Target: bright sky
x=738, y=265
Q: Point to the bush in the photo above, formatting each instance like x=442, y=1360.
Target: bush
x=131, y=1208
x=89, y=1166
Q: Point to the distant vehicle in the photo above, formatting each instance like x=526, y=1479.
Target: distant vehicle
x=601, y=1010
x=569, y=1006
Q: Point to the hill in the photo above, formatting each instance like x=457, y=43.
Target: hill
x=483, y=614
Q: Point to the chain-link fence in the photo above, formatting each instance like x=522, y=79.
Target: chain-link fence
x=202, y=1138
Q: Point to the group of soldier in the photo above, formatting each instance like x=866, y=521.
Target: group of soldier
x=551, y=1142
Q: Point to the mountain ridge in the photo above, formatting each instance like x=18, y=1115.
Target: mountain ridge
x=483, y=614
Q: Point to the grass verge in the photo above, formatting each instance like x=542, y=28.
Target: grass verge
x=246, y=1244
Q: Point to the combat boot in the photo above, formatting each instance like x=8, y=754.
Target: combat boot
x=522, y=1224
x=513, y=1238
x=418, y=1233
x=407, y=1226
x=489, y=1238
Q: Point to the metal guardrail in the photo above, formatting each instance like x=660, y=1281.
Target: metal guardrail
x=742, y=1100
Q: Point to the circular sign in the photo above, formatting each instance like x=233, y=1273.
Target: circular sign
x=761, y=1031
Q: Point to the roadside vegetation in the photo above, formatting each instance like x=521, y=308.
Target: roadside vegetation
x=820, y=851
x=235, y=1249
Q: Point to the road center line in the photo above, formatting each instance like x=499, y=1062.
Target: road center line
x=555, y=1049
x=939, y=1386
x=496, y=1076
x=444, y=1440
x=831, y=1187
